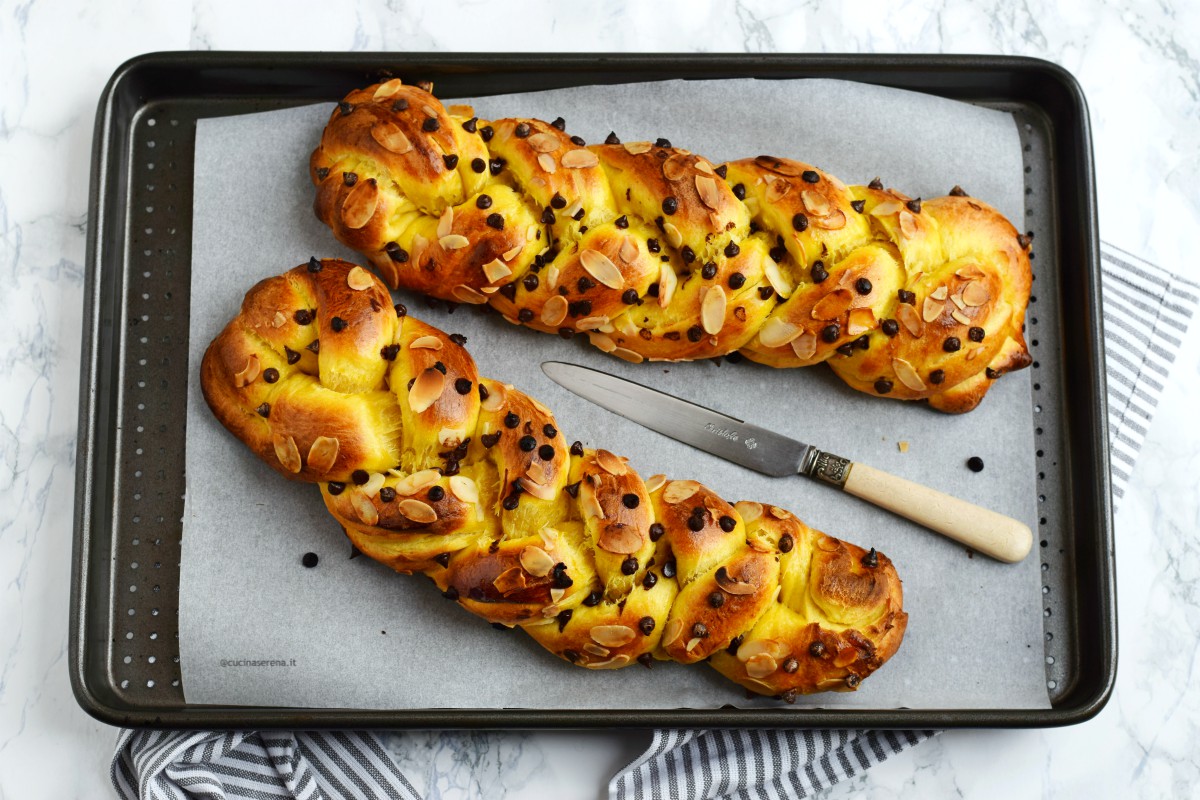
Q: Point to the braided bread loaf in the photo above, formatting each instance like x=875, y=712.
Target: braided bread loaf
x=658, y=254
x=430, y=468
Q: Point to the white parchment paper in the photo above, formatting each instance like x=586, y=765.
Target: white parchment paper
x=258, y=628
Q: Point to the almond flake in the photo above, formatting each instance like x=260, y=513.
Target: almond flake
x=703, y=166
x=761, y=665
x=834, y=222
x=579, y=159
x=454, y=241
x=373, y=485
x=655, y=482
x=595, y=649
x=706, y=187
x=620, y=539
x=387, y=89
x=602, y=342
x=571, y=210
x=780, y=513
x=908, y=375
x=536, y=472
x=279, y=320
x=601, y=268
x=748, y=510
x=555, y=310
x=546, y=162
x=675, y=167
x=960, y=318
x=629, y=250
x=446, y=222
x=626, y=354
x=532, y=233
x=552, y=276
x=733, y=586
x=693, y=643
x=449, y=437
x=779, y=189
x=975, y=293
x=391, y=138
x=885, y=208
x=832, y=305
x=426, y=343
x=556, y=594
x=969, y=272
x=931, y=309
x=418, y=511
x=612, y=635
x=537, y=562
x=429, y=110
x=610, y=463
x=496, y=269
x=940, y=293
x=674, y=237
x=323, y=453
x=861, y=321
x=543, y=142
x=616, y=662
x=671, y=632
x=465, y=294
x=510, y=254
x=712, y=310
x=908, y=224
x=539, y=490
x=805, y=345
x=637, y=148
x=909, y=319
x=679, y=491
x=667, y=282
x=815, y=203
x=411, y=484
x=495, y=400
x=359, y=279
x=464, y=489
x=364, y=508
x=973, y=353
x=359, y=206
x=509, y=581
x=956, y=298
x=776, y=333
x=426, y=390
x=782, y=286
x=287, y=453
x=756, y=647
x=248, y=373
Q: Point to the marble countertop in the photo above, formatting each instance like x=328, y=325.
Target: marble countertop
x=1139, y=64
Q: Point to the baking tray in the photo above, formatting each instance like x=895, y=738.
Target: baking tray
x=129, y=475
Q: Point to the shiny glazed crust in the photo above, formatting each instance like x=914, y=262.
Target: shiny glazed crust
x=430, y=468
x=656, y=253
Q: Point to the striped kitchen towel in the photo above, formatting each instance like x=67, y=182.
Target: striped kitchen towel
x=1146, y=314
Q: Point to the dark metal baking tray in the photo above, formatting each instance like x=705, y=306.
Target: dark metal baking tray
x=129, y=485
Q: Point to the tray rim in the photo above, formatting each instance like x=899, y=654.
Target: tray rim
x=921, y=70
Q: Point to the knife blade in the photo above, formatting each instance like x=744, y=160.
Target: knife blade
x=774, y=454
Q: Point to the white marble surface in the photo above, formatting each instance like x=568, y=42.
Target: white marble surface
x=1139, y=64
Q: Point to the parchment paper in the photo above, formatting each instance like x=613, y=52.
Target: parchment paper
x=258, y=628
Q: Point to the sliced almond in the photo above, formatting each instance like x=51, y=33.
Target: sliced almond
x=976, y=293
x=248, y=373
x=956, y=298
x=782, y=286
x=748, y=510
x=731, y=585
x=555, y=310
x=815, y=203
x=969, y=272
x=539, y=490
x=780, y=513
x=465, y=294
x=323, y=453
x=543, y=142
x=667, y=281
x=616, y=662
x=612, y=635
x=579, y=159
x=593, y=324
x=373, y=485
x=629, y=250
x=279, y=320
x=418, y=511
x=359, y=279
x=513, y=252
x=674, y=237
x=591, y=506
x=679, y=491
x=601, y=268
x=454, y=241
x=671, y=632
x=973, y=353
x=429, y=110
x=509, y=581
x=702, y=165
x=908, y=375
x=625, y=354
x=778, y=190
x=446, y=222
x=861, y=321
x=426, y=343
x=960, y=318
x=931, y=309
x=832, y=222
x=940, y=293
x=573, y=209
x=909, y=319
x=552, y=276
x=426, y=390
x=464, y=489
x=756, y=647
x=418, y=481
x=610, y=463
x=359, y=206
x=706, y=187
x=620, y=538
x=761, y=666
x=495, y=399
x=449, y=437
x=287, y=453
x=908, y=224
x=655, y=482
x=675, y=167
x=595, y=649
x=833, y=305
x=537, y=562
x=536, y=472
x=712, y=310
x=546, y=162
x=777, y=332
x=364, y=508
x=495, y=270
x=556, y=594
x=387, y=89
x=391, y=138
x=885, y=208
x=805, y=345
x=637, y=148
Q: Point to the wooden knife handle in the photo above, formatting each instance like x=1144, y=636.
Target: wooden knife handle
x=992, y=534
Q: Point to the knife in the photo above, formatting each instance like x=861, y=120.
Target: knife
x=770, y=453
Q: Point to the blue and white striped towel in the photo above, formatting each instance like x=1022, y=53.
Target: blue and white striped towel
x=1146, y=314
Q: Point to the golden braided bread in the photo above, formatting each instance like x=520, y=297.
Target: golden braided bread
x=430, y=468
x=658, y=254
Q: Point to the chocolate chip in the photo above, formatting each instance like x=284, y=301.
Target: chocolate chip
x=629, y=297
x=400, y=105
x=695, y=524
x=1024, y=240
x=622, y=222
x=871, y=559
x=560, y=577
x=830, y=333
x=952, y=344
x=631, y=500
x=451, y=161
x=525, y=315
x=883, y=386
x=527, y=443
x=546, y=452
x=563, y=618
x=700, y=630
x=670, y=205
x=387, y=494
x=914, y=205
x=577, y=448
x=303, y=316
x=991, y=373
x=612, y=138
x=656, y=531
x=809, y=176
x=709, y=271
x=451, y=593
x=486, y=133
x=653, y=246
x=819, y=273
x=360, y=476
x=661, y=142
x=875, y=184
x=716, y=599
x=584, y=283
x=315, y=265
x=522, y=130
x=737, y=280
x=322, y=173
x=530, y=282
x=846, y=349
x=695, y=333
x=858, y=205
x=310, y=560
x=336, y=488
x=495, y=221
x=649, y=581
x=853, y=681
x=270, y=375
x=462, y=386
x=489, y=439
x=739, y=191
x=264, y=410
x=862, y=286
x=791, y=665
x=732, y=250
x=975, y=334
x=907, y=297
x=727, y=523
x=975, y=464
x=430, y=124
x=629, y=566
x=396, y=252
x=816, y=649
x=511, y=420
x=402, y=311
x=735, y=644
x=338, y=324
x=786, y=543
x=958, y=191
x=440, y=367
x=483, y=201
x=668, y=569
x=593, y=599
x=511, y=502
x=937, y=376
x=889, y=327
x=314, y=346
x=800, y=222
